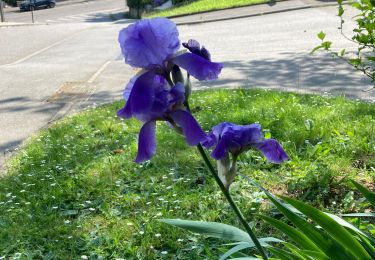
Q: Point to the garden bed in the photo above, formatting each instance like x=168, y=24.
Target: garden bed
x=74, y=191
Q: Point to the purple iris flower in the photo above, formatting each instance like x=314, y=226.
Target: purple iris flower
x=151, y=99
x=152, y=95
x=152, y=44
x=234, y=139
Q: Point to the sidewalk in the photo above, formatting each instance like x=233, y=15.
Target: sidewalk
x=252, y=10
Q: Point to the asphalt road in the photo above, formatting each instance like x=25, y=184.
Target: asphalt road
x=69, y=11
x=47, y=71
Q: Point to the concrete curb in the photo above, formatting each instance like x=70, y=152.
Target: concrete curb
x=256, y=14
x=5, y=24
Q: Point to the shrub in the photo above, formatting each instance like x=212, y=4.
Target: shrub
x=179, y=2
x=138, y=3
x=364, y=37
x=11, y=2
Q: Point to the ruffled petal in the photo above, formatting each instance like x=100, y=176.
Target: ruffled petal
x=146, y=142
x=141, y=96
x=190, y=127
x=198, y=67
x=272, y=150
x=149, y=42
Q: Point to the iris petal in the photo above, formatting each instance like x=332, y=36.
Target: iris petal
x=197, y=66
x=190, y=127
x=146, y=142
x=220, y=150
x=141, y=96
x=272, y=150
x=149, y=42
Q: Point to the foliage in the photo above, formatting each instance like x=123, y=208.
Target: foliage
x=75, y=182
x=364, y=38
x=138, y=3
x=334, y=239
x=11, y=2
x=178, y=2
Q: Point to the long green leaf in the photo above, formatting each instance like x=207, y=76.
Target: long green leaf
x=212, y=229
x=245, y=258
x=339, y=233
x=303, y=241
x=359, y=215
x=346, y=224
x=242, y=245
x=314, y=255
x=283, y=255
x=370, y=196
x=234, y=250
x=327, y=246
x=297, y=252
x=367, y=242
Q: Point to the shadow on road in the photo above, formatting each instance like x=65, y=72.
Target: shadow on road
x=301, y=73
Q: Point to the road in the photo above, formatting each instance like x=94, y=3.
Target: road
x=47, y=71
x=69, y=11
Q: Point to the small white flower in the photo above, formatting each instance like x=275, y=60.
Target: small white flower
x=55, y=207
x=67, y=221
x=22, y=191
x=157, y=235
x=189, y=213
x=91, y=209
x=148, y=203
x=27, y=203
x=180, y=240
x=141, y=232
x=129, y=224
x=164, y=252
x=84, y=257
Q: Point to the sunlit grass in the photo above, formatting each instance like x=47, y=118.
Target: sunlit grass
x=74, y=191
x=203, y=5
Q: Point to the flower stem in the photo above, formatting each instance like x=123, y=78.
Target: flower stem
x=231, y=202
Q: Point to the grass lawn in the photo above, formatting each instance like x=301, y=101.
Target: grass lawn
x=203, y=5
x=73, y=191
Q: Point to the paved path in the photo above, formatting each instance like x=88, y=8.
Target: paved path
x=69, y=66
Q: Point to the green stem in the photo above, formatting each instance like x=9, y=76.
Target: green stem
x=231, y=202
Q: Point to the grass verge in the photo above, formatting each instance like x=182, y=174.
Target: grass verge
x=203, y=6
x=73, y=191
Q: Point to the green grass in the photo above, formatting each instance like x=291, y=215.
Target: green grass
x=74, y=190
x=202, y=6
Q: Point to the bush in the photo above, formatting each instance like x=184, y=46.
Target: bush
x=179, y=2
x=11, y=2
x=138, y=3
x=364, y=37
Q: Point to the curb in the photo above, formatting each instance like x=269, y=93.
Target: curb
x=5, y=25
x=253, y=15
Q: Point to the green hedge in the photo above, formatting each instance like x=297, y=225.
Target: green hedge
x=138, y=3
x=11, y=2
